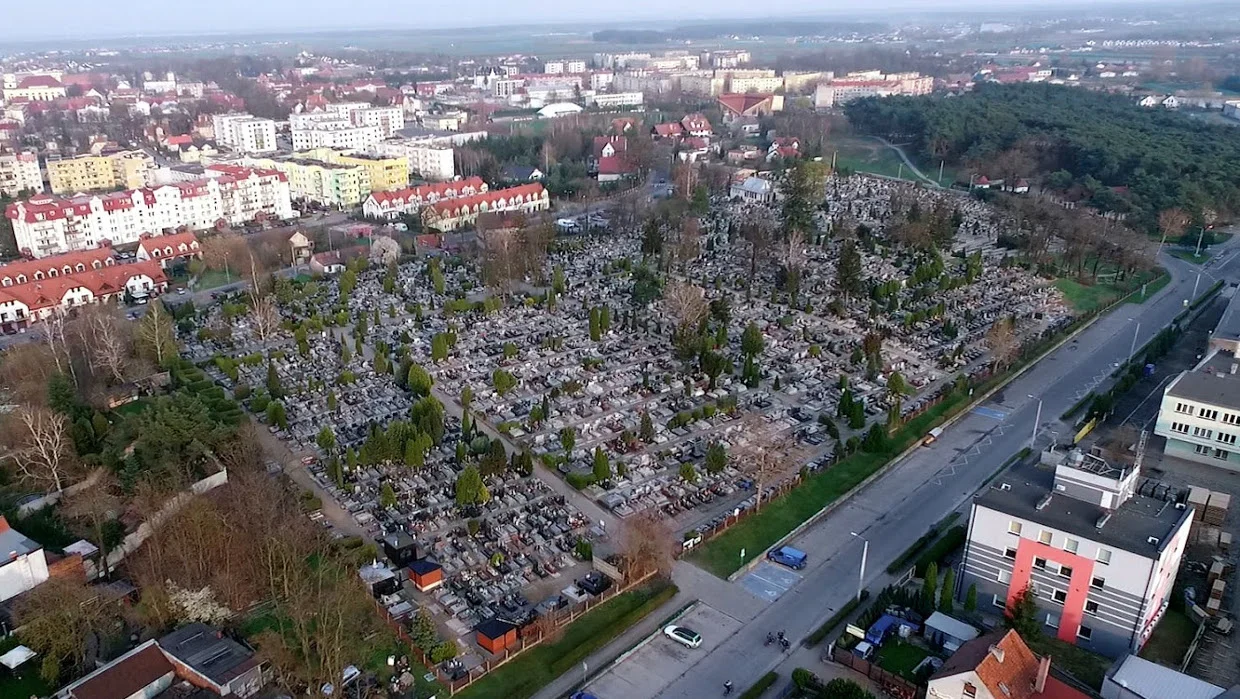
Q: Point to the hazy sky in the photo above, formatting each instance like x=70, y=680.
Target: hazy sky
x=36, y=19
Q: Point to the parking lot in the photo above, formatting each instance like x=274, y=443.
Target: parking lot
x=659, y=660
x=769, y=581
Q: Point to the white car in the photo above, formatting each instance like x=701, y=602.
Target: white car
x=684, y=636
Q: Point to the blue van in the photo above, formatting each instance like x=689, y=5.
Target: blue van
x=786, y=555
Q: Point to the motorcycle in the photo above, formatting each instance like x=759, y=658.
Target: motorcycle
x=784, y=643
x=770, y=638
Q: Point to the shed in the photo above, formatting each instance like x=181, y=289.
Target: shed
x=379, y=579
x=400, y=548
x=494, y=635
x=426, y=574
x=888, y=624
x=949, y=632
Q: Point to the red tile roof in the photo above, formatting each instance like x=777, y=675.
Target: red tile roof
x=615, y=165
x=742, y=104
x=668, y=130
x=103, y=281
x=618, y=143
x=695, y=122
x=127, y=677
x=526, y=192
x=175, y=240
x=87, y=258
x=38, y=81
x=424, y=192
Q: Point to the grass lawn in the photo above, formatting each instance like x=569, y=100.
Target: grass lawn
x=1151, y=288
x=754, y=534
x=1085, y=666
x=531, y=671
x=1188, y=256
x=901, y=658
x=865, y=155
x=213, y=278
x=133, y=408
x=1170, y=640
x=1086, y=298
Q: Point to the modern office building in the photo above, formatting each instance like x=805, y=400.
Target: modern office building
x=1200, y=412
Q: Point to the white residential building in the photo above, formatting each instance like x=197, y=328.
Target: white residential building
x=244, y=133
x=47, y=225
x=553, y=67
x=1200, y=411
x=20, y=172
x=335, y=133
x=389, y=120
x=428, y=160
x=391, y=205
x=23, y=565
x=617, y=99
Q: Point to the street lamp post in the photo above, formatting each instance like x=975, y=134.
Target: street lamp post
x=1195, y=284
x=865, y=551
x=1033, y=438
x=1133, y=349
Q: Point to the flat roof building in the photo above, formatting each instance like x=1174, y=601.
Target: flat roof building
x=1200, y=411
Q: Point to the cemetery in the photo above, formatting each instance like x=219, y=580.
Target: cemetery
x=688, y=368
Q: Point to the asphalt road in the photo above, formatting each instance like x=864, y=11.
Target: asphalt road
x=900, y=506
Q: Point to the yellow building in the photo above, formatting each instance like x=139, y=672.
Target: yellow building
x=319, y=182
x=99, y=173
x=387, y=174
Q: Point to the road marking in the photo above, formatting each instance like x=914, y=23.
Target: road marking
x=768, y=581
x=990, y=413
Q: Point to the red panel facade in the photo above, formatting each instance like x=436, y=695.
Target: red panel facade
x=1078, y=584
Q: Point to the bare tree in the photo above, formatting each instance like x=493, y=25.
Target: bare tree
x=688, y=240
x=58, y=618
x=155, y=337
x=1172, y=222
x=265, y=319
x=106, y=340
x=765, y=454
x=1002, y=341
x=57, y=339
x=24, y=372
x=502, y=259
x=97, y=504
x=646, y=545
x=40, y=446
x=686, y=303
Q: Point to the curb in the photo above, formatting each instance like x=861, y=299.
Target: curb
x=635, y=647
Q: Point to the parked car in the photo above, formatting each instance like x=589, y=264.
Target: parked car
x=788, y=556
x=683, y=635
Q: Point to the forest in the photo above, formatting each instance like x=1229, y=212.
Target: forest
x=1085, y=145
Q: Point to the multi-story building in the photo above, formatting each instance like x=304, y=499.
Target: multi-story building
x=244, y=133
x=553, y=67
x=48, y=225
x=252, y=194
x=389, y=120
x=1200, y=412
x=335, y=133
x=317, y=182
x=429, y=159
x=35, y=88
x=507, y=87
x=601, y=79
x=338, y=115
x=609, y=100
x=801, y=81
x=724, y=59
x=31, y=290
x=706, y=84
x=98, y=173
x=870, y=83
x=757, y=83
x=451, y=214
x=1098, y=558
x=392, y=205
x=19, y=172
x=387, y=173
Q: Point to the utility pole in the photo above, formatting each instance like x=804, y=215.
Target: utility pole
x=1033, y=438
x=865, y=551
x=833, y=154
x=1195, y=285
x=1202, y=234
x=900, y=176
x=940, y=173
x=1132, y=350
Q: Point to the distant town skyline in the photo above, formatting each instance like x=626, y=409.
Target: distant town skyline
x=85, y=19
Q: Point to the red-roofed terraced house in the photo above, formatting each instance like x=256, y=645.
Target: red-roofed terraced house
x=31, y=290
x=167, y=248
x=451, y=214
x=390, y=206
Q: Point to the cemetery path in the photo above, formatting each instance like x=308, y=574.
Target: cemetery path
x=909, y=163
x=934, y=481
x=278, y=451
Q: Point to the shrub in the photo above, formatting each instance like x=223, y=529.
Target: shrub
x=952, y=540
x=580, y=481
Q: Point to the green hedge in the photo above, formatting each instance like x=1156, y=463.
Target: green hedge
x=952, y=540
x=760, y=686
x=902, y=561
x=836, y=619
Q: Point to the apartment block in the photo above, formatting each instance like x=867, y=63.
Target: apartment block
x=19, y=172
x=244, y=133
x=48, y=225
x=1200, y=412
x=429, y=159
x=321, y=183
x=390, y=206
x=99, y=173
x=335, y=132
x=1099, y=558
x=387, y=173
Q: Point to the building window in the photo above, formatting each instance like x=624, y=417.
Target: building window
x=1045, y=537
x=969, y=691
x=1039, y=563
x=1009, y=553
x=1184, y=408
x=1091, y=607
x=1014, y=527
x=1085, y=632
x=1228, y=439
x=1071, y=545
x=994, y=599
x=1221, y=454
x=1059, y=596
x=1208, y=414
x=1052, y=620
x=1201, y=449
x=1097, y=582
x=1180, y=427
x=1202, y=432
x=1231, y=418
x=1065, y=571
x=1104, y=556
x=1005, y=577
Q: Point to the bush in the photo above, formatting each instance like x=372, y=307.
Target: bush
x=580, y=481
x=836, y=619
x=444, y=651
x=952, y=540
x=760, y=686
x=919, y=545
